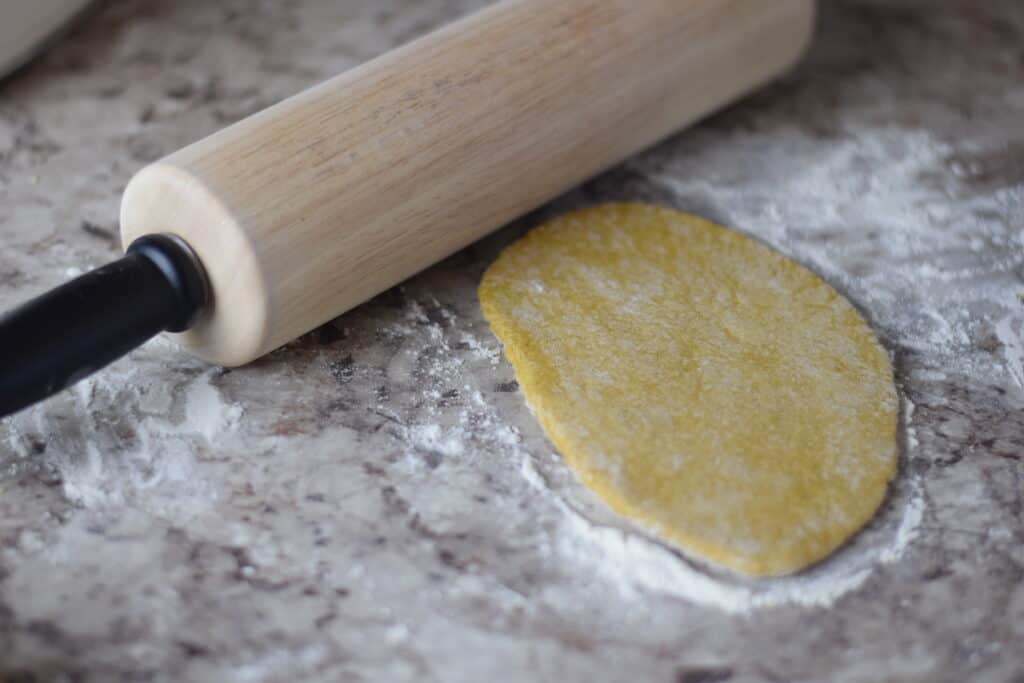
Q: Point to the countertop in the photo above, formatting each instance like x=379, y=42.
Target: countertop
x=375, y=502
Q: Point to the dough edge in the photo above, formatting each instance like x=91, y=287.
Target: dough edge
x=529, y=374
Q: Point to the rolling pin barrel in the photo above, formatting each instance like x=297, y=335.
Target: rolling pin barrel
x=309, y=208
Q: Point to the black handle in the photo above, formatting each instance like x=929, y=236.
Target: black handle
x=70, y=332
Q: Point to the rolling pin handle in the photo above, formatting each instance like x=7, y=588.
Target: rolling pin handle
x=59, y=338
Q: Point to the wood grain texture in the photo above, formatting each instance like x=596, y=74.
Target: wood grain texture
x=324, y=200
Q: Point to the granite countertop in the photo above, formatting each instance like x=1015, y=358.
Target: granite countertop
x=374, y=501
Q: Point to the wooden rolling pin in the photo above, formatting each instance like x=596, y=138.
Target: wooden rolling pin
x=273, y=226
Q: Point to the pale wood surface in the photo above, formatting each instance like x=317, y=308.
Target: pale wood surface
x=326, y=199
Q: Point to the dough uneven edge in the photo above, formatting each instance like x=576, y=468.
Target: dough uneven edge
x=536, y=376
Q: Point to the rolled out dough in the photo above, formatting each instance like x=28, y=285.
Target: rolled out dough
x=722, y=396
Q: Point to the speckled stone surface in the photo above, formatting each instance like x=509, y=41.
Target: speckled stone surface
x=375, y=502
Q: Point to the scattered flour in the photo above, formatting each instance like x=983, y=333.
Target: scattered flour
x=430, y=437
x=1012, y=341
x=627, y=560
x=152, y=464
x=205, y=410
x=632, y=561
x=457, y=432
x=919, y=271
x=488, y=352
x=920, y=276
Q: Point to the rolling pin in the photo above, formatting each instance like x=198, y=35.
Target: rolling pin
x=261, y=232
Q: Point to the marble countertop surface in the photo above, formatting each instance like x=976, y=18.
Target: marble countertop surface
x=374, y=501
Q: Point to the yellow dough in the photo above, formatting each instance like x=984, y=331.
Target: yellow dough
x=722, y=396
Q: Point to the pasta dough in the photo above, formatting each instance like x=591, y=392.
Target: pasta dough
x=722, y=396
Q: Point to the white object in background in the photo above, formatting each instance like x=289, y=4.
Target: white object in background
x=27, y=25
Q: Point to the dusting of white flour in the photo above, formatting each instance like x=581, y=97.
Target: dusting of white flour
x=933, y=292
x=625, y=558
x=914, y=265
x=156, y=469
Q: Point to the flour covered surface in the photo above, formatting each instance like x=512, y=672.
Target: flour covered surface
x=723, y=397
